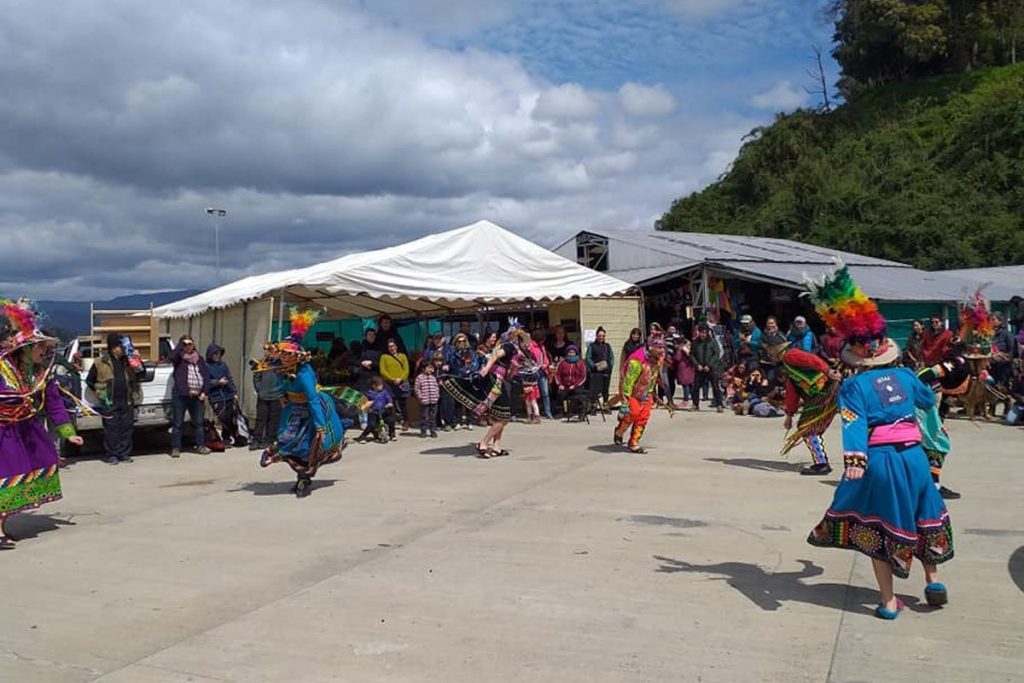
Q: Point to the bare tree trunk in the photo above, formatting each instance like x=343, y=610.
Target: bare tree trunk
x=821, y=85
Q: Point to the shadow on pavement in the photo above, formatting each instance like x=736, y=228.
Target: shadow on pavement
x=607, y=448
x=21, y=527
x=834, y=483
x=1016, y=567
x=279, y=488
x=753, y=464
x=465, y=451
x=770, y=590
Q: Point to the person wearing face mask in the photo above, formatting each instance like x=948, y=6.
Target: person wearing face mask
x=571, y=373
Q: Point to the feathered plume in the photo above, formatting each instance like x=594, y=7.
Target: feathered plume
x=301, y=322
x=843, y=305
x=21, y=314
x=976, y=324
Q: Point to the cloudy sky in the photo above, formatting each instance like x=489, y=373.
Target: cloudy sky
x=328, y=126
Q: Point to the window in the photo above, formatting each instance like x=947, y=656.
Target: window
x=592, y=251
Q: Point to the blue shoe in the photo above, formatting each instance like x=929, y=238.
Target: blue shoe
x=889, y=614
x=935, y=594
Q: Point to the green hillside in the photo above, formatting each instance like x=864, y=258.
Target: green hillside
x=928, y=172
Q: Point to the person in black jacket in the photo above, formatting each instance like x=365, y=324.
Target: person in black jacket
x=706, y=358
x=189, y=393
x=115, y=383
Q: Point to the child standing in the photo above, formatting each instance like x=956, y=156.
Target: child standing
x=428, y=393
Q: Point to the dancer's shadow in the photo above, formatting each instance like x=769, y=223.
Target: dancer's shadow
x=607, y=448
x=769, y=590
x=454, y=451
x=1016, y=567
x=21, y=527
x=279, y=488
x=753, y=464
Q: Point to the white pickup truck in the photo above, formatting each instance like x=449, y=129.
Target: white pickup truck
x=155, y=411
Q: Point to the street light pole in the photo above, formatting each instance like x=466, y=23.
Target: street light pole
x=216, y=214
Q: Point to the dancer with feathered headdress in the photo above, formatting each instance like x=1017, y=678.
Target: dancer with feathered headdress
x=886, y=505
x=28, y=458
x=310, y=433
x=812, y=387
x=485, y=394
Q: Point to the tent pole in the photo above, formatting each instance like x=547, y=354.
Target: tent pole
x=270, y=321
x=280, y=316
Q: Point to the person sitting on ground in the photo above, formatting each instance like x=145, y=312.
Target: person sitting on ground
x=381, y=409
x=571, y=374
x=222, y=393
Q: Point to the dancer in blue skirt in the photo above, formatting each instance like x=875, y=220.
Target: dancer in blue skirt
x=886, y=505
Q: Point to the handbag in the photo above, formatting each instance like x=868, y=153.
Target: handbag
x=601, y=366
x=404, y=387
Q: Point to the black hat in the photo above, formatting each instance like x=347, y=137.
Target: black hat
x=114, y=340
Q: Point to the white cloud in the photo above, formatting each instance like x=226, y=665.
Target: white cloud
x=321, y=128
x=565, y=102
x=645, y=100
x=783, y=96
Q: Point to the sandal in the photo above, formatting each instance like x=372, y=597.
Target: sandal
x=617, y=439
x=485, y=454
x=638, y=450
x=889, y=614
x=935, y=594
x=481, y=449
x=7, y=543
x=497, y=454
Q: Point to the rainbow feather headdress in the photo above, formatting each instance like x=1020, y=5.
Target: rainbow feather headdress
x=19, y=325
x=300, y=321
x=977, y=328
x=844, y=306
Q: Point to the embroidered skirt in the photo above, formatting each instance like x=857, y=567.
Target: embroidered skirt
x=480, y=395
x=297, y=441
x=28, y=467
x=894, y=513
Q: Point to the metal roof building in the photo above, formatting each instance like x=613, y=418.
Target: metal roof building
x=684, y=275
x=646, y=258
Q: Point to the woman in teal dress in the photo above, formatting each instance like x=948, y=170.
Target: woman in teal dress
x=310, y=433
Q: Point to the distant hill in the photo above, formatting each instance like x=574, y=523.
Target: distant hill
x=928, y=172
x=71, y=318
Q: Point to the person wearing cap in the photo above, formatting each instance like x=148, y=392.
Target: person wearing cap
x=811, y=389
x=801, y=336
x=116, y=385
x=637, y=384
x=886, y=505
x=747, y=342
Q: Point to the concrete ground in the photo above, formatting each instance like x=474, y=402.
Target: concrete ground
x=568, y=561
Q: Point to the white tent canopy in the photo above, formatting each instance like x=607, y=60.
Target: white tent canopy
x=467, y=268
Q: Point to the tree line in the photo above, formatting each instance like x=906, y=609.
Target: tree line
x=886, y=41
